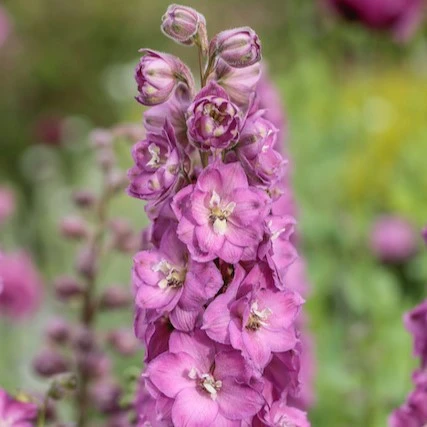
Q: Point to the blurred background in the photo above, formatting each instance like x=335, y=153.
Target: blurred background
x=355, y=94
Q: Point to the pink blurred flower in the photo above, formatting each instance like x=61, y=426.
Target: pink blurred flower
x=393, y=239
x=15, y=413
x=400, y=17
x=7, y=204
x=20, y=285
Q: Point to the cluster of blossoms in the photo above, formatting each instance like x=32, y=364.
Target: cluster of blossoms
x=400, y=17
x=213, y=304
x=413, y=413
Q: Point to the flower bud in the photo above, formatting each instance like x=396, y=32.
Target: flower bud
x=101, y=138
x=73, y=227
x=182, y=24
x=67, y=288
x=114, y=297
x=58, y=331
x=106, y=396
x=239, y=47
x=84, y=339
x=84, y=198
x=49, y=362
x=157, y=75
x=94, y=364
x=86, y=262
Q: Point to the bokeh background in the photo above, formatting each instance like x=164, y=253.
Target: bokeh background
x=356, y=106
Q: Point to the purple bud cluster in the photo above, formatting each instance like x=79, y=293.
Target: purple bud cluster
x=414, y=411
x=214, y=306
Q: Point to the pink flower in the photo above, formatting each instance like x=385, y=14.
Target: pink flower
x=213, y=120
x=157, y=167
x=7, y=204
x=277, y=248
x=401, y=17
x=167, y=280
x=16, y=413
x=282, y=415
x=20, y=285
x=263, y=164
x=210, y=385
x=416, y=323
x=221, y=214
x=254, y=317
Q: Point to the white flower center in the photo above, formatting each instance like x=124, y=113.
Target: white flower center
x=257, y=318
x=174, y=276
x=207, y=382
x=219, y=214
x=154, y=150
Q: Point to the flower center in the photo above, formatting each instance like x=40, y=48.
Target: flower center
x=174, y=276
x=154, y=151
x=206, y=382
x=284, y=421
x=212, y=111
x=218, y=215
x=257, y=318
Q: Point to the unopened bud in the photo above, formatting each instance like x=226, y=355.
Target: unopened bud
x=106, y=395
x=105, y=158
x=84, y=198
x=49, y=362
x=73, y=227
x=117, y=181
x=94, y=364
x=123, y=341
x=67, y=287
x=115, y=297
x=239, y=47
x=183, y=24
x=86, y=262
x=58, y=331
x=63, y=384
x=84, y=339
x=124, y=239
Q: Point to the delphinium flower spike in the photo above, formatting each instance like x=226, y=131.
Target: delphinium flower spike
x=213, y=306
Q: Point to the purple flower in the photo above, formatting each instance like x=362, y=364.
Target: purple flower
x=174, y=110
x=282, y=415
x=416, y=323
x=15, y=412
x=262, y=163
x=401, y=17
x=277, y=248
x=254, y=317
x=157, y=166
x=414, y=412
x=167, y=280
x=157, y=75
x=209, y=384
x=221, y=214
x=183, y=24
x=239, y=83
x=213, y=121
x=393, y=239
x=7, y=204
x=239, y=47
x=20, y=285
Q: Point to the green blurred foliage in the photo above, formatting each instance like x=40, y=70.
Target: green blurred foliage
x=356, y=106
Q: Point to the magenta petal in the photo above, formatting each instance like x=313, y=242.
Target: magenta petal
x=156, y=297
x=256, y=348
x=230, y=253
x=169, y=372
x=194, y=408
x=238, y=401
x=208, y=240
x=235, y=177
x=216, y=319
x=183, y=320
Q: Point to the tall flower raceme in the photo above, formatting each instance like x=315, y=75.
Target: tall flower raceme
x=414, y=411
x=400, y=17
x=213, y=305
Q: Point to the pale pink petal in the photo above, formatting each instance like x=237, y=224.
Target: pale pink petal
x=194, y=408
